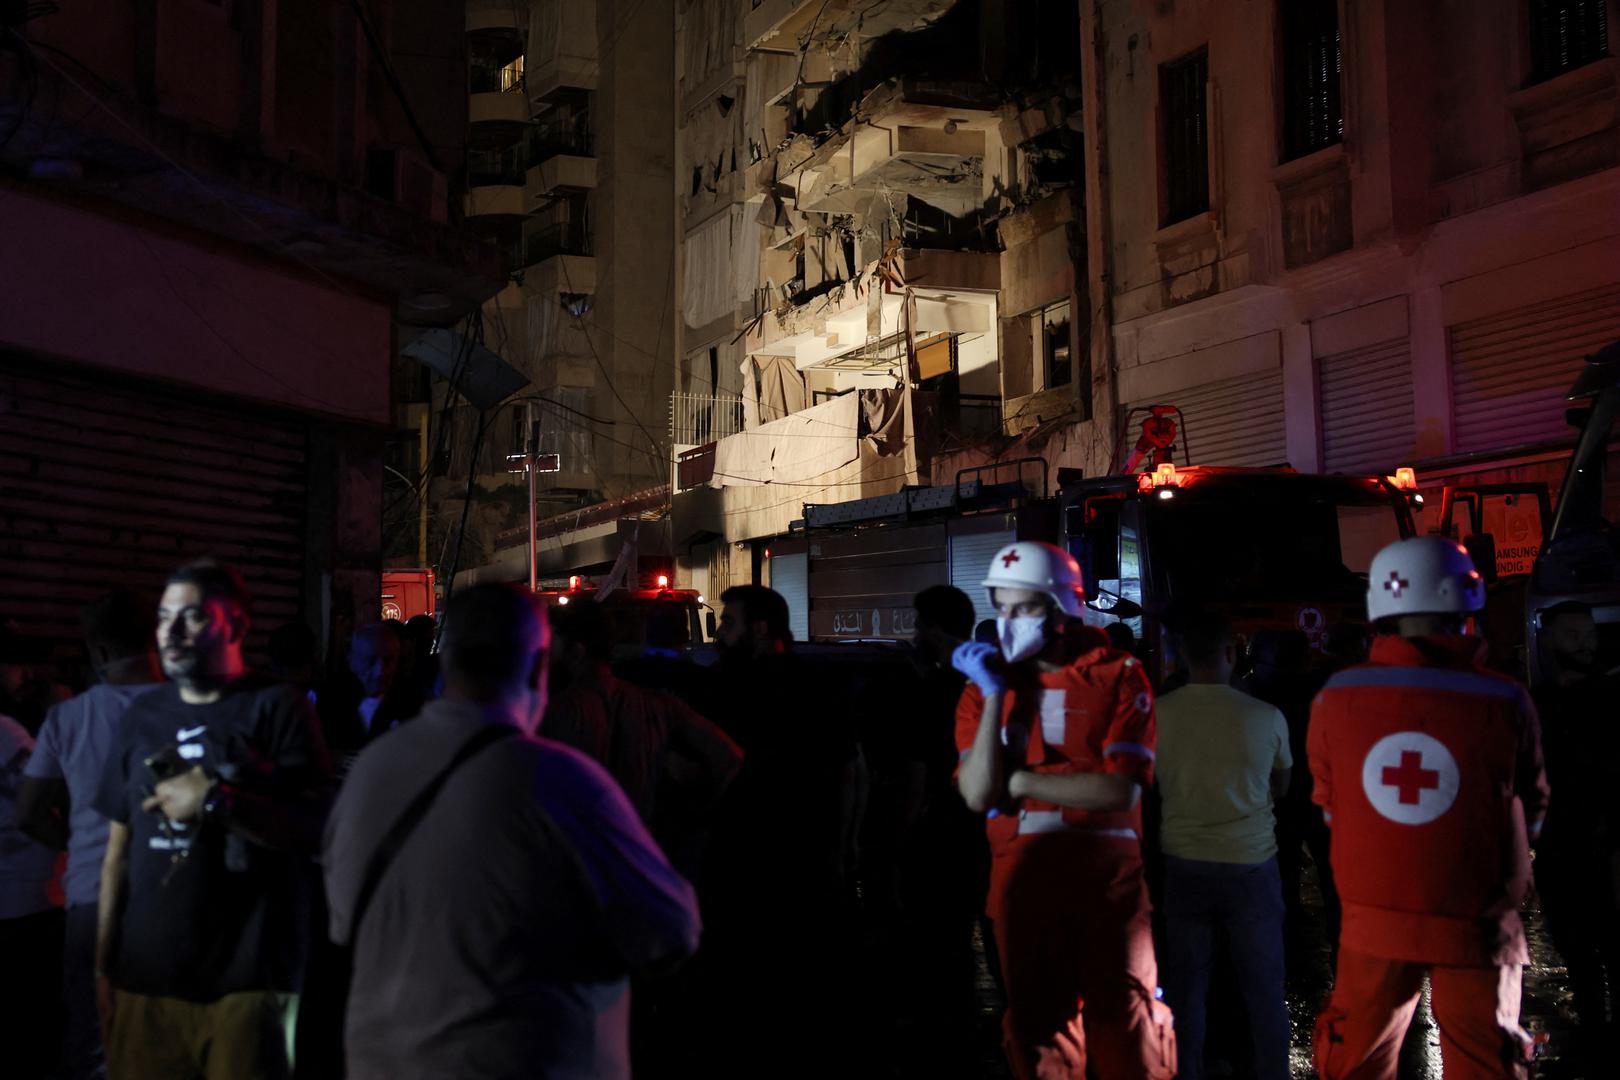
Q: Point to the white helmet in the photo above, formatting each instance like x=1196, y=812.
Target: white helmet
x=1044, y=568
x=1425, y=575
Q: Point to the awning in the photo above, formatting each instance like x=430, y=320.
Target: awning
x=483, y=377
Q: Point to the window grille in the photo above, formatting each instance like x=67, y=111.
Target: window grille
x=1565, y=35
x=1312, y=70
x=1182, y=95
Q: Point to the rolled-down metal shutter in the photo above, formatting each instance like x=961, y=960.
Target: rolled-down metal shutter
x=790, y=577
x=1510, y=372
x=973, y=542
x=862, y=583
x=1232, y=422
x=105, y=485
x=1367, y=416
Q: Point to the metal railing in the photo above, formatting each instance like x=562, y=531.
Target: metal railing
x=567, y=133
x=485, y=167
x=563, y=238
x=694, y=467
x=695, y=419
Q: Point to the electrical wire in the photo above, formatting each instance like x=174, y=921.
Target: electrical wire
x=657, y=449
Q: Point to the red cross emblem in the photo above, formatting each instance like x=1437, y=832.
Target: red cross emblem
x=1411, y=779
x=1009, y=558
x=1396, y=583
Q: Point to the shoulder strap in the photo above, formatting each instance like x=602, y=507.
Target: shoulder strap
x=407, y=822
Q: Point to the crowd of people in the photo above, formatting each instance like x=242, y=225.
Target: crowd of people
x=514, y=852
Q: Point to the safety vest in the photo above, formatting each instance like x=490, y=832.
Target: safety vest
x=1429, y=770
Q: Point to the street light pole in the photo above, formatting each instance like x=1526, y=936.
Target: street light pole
x=532, y=463
x=529, y=466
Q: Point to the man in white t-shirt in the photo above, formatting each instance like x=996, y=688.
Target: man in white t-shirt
x=60, y=782
x=1223, y=761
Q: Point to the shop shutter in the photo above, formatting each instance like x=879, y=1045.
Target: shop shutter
x=973, y=543
x=1231, y=422
x=1368, y=423
x=862, y=583
x=106, y=484
x=790, y=577
x=1510, y=372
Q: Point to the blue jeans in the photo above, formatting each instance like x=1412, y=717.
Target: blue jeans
x=1204, y=901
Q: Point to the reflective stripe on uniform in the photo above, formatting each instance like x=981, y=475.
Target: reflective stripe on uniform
x=1128, y=748
x=1447, y=680
x=1034, y=822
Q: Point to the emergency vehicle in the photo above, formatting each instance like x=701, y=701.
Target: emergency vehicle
x=630, y=606
x=1270, y=547
x=1580, y=558
x=407, y=593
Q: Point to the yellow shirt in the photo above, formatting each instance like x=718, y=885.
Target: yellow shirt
x=1217, y=750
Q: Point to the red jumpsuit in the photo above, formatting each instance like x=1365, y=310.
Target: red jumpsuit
x=1067, y=898
x=1428, y=768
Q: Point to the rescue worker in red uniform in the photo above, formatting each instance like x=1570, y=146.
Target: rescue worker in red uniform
x=1428, y=770
x=1056, y=736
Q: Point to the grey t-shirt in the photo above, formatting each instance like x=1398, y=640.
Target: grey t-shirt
x=73, y=746
x=500, y=940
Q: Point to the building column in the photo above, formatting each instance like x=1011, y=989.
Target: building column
x=1302, y=403
x=1431, y=374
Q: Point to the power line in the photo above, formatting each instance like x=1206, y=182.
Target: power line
x=658, y=450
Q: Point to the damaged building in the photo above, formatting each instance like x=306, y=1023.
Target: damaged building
x=882, y=267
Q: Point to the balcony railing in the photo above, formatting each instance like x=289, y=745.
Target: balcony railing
x=695, y=419
x=694, y=467
x=563, y=238
x=486, y=167
x=569, y=133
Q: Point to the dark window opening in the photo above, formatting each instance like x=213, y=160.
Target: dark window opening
x=1312, y=73
x=1054, y=338
x=380, y=180
x=1565, y=35
x=1183, y=103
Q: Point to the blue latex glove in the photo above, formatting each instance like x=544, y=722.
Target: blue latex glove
x=974, y=659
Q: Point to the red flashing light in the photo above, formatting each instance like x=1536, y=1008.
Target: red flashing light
x=1163, y=476
x=573, y=583
x=1405, y=479
x=663, y=581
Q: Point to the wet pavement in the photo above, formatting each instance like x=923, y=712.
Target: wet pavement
x=1546, y=1009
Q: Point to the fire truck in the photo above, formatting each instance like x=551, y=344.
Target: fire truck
x=408, y=592
x=1580, y=558
x=1271, y=547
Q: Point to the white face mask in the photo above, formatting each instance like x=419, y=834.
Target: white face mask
x=1022, y=636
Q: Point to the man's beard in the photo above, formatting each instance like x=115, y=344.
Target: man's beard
x=1573, y=662
x=738, y=654
x=186, y=665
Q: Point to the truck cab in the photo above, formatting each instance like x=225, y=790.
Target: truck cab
x=1272, y=548
x=1580, y=559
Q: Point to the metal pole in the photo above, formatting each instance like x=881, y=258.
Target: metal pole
x=534, y=550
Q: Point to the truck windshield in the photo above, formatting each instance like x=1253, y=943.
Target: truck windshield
x=1215, y=549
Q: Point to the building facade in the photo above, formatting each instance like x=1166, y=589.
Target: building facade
x=219, y=221
x=1338, y=236
x=882, y=255
x=1352, y=236
x=569, y=164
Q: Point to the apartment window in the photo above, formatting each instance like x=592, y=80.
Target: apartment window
x=1565, y=35
x=1182, y=103
x=1052, y=346
x=1312, y=63
x=512, y=74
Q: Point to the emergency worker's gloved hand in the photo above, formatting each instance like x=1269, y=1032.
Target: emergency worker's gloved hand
x=975, y=659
